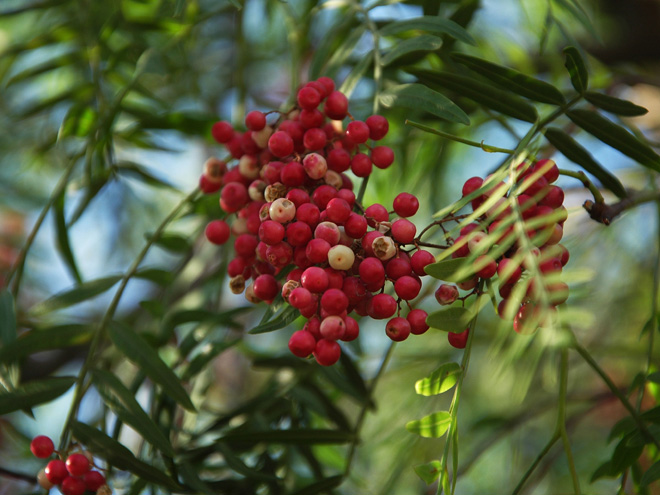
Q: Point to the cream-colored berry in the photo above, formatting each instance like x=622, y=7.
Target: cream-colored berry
x=341, y=257
x=282, y=210
x=261, y=137
x=248, y=166
x=383, y=247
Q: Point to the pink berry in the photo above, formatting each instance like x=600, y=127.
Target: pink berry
x=302, y=343
x=404, y=231
x=417, y=320
x=406, y=205
x=458, y=340
x=357, y=131
x=315, y=165
x=282, y=210
x=327, y=231
x=336, y=105
x=378, y=127
x=222, y=132
x=327, y=352
x=42, y=446
x=280, y=144
x=446, y=294
x=398, y=329
x=333, y=327
x=77, y=464
x=255, y=120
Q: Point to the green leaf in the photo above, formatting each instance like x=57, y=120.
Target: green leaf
x=341, y=54
x=7, y=318
x=309, y=436
x=432, y=426
x=454, y=319
x=419, y=97
x=122, y=402
x=356, y=74
x=615, y=136
x=577, y=12
x=614, y=105
x=172, y=242
x=654, y=377
x=34, y=393
x=42, y=340
x=160, y=277
x=651, y=475
x=199, y=362
x=652, y=415
x=429, y=24
x=286, y=317
x=63, y=245
x=512, y=80
x=423, y=43
x=577, y=69
x=625, y=455
x=605, y=470
x=137, y=171
x=485, y=94
x=119, y=456
x=441, y=380
x=572, y=150
x=445, y=269
x=321, y=486
x=429, y=472
x=328, y=44
x=237, y=465
x=80, y=293
x=137, y=350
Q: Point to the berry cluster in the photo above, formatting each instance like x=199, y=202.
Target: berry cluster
x=496, y=249
x=296, y=212
x=73, y=476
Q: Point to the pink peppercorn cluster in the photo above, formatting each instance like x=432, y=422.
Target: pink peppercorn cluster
x=73, y=476
x=296, y=210
x=498, y=250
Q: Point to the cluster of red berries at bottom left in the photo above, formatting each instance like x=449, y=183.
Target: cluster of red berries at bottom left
x=73, y=476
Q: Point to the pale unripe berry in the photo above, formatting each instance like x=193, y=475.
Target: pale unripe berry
x=282, y=210
x=248, y=166
x=250, y=296
x=214, y=169
x=328, y=231
x=43, y=481
x=478, y=242
x=333, y=179
x=446, y=294
x=239, y=227
x=341, y=257
x=383, y=247
x=333, y=327
x=315, y=166
x=261, y=137
x=256, y=190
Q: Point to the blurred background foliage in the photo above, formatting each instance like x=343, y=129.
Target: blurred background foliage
x=105, y=115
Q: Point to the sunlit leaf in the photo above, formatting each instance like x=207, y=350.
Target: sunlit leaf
x=429, y=472
x=432, y=426
x=34, y=393
x=423, y=43
x=455, y=319
x=577, y=69
x=421, y=98
x=572, y=150
x=441, y=380
x=614, y=105
x=429, y=24
x=512, y=80
x=78, y=294
x=445, y=269
x=137, y=350
x=615, y=136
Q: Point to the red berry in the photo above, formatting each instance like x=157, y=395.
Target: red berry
x=382, y=156
x=458, y=340
x=339, y=160
x=333, y=327
x=279, y=255
x=378, y=127
x=222, y=132
x=508, y=271
x=56, y=471
x=407, y=288
x=357, y=132
x=397, y=268
x=361, y=165
x=486, y=266
x=308, y=213
x=302, y=343
x=471, y=185
x=93, y=480
x=322, y=195
x=398, y=329
x=255, y=120
x=327, y=352
x=334, y=301
x=382, y=306
x=336, y=105
x=280, y=144
x=352, y=329
x=311, y=118
x=308, y=98
x=314, y=139
x=271, y=232
x=315, y=279
x=217, y=232
x=367, y=242
x=421, y=259
x=73, y=486
x=327, y=83
x=446, y=294
x=371, y=270
x=417, y=320
x=338, y=210
x=245, y=245
x=376, y=213
x=77, y=464
x=233, y=197
x=298, y=233
x=265, y=287
x=404, y=231
x=406, y=205
x=548, y=168
x=42, y=446
x=355, y=226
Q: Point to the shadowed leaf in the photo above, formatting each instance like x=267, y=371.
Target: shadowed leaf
x=34, y=393
x=421, y=98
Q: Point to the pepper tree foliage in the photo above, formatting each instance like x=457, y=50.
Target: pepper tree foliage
x=165, y=381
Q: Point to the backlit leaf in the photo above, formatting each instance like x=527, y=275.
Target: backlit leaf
x=441, y=380
x=432, y=426
x=454, y=319
x=284, y=318
x=577, y=69
x=429, y=472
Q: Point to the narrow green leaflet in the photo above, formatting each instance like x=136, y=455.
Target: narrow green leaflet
x=63, y=245
x=7, y=318
x=326, y=484
x=237, y=464
x=429, y=24
x=119, y=456
x=42, y=340
x=122, y=402
x=140, y=173
x=432, y=426
x=429, y=472
x=78, y=294
x=137, y=350
x=445, y=269
x=158, y=276
x=342, y=53
x=614, y=105
x=423, y=43
x=303, y=436
x=172, y=242
x=34, y=393
x=615, y=136
x=485, y=94
x=326, y=47
x=512, y=80
x=419, y=97
x=356, y=74
x=441, y=380
x=572, y=150
x=577, y=69
x=654, y=377
x=653, y=474
x=286, y=317
x=454, y=319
